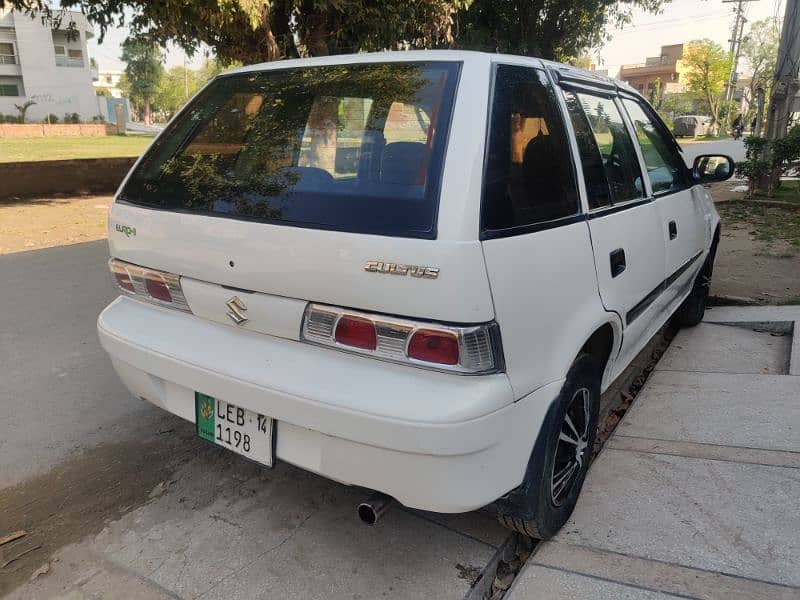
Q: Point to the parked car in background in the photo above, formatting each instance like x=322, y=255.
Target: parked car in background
x=413, y=272
x=691, y=125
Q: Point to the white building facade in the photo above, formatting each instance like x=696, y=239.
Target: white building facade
x=47, y=66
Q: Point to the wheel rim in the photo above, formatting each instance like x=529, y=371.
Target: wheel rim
x=571, y=447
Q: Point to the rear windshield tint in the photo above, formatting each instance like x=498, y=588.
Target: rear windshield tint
x=354, y=148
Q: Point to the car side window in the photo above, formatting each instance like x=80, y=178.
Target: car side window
x=665, y=167
x=617, y=152
x=594, y=174
x=529, y=177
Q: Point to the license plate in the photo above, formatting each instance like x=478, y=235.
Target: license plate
x=238, y=429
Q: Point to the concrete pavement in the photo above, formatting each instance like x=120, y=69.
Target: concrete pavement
x=121, y=499
x=696, y=495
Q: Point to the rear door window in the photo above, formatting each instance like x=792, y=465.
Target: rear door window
x=615, y=146
x=355, y=148
x=529, y=177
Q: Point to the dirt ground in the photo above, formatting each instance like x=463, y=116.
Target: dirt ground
x=758, y=260
x=34, y=224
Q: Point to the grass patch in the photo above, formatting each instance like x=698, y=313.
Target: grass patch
x=703, y=138
x=63, y=148
x=765, y=224
x=789, y=191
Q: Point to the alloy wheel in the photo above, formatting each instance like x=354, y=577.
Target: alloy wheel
x=571, y=447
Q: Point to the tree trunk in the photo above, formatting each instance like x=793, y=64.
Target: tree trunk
x=146, y=115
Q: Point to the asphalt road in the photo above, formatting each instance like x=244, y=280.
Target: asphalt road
x=121, y=499
x=734, y=149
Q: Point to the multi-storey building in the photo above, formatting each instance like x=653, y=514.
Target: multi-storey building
x=667, y=68
x=48, y=66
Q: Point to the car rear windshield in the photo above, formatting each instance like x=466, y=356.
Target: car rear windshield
x=355, y=148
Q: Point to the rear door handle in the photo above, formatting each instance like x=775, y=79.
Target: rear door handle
x=673, y=230
x=617, y=258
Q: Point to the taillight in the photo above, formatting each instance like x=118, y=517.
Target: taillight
x=474, y=349
x=157, y=286
x=439, y=347
x=356, y=332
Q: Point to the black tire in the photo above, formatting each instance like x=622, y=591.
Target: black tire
x=692, y=309
x=546, y=498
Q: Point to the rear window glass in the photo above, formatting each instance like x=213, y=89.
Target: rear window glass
x=348, y=147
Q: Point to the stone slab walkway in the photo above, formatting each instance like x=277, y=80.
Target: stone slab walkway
x=697, y=493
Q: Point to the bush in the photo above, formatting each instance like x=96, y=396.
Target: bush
x=767, y=160
x=9, y=118
x=51, y=118
x=73, y=118
x=98, y=119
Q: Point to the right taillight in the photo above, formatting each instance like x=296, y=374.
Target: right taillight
x=472, y=349
x=149, y=284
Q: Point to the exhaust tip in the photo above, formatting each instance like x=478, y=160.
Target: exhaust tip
x=371, y=510
x=367, y=514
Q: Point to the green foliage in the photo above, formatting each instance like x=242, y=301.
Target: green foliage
x=253, y=31
x=51, y=118
x=708, y=70
x=553, y=29
x=9, y=118
x=175, y=88
x=765, y=157
x=760, y=50
x=72, y=118
x=143, y=72
x=655, y=94
x=681, y=103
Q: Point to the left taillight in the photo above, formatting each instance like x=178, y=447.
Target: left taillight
x=159, y=287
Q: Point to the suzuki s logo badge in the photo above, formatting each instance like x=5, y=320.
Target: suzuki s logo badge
x=236, y=310
x=378, y=266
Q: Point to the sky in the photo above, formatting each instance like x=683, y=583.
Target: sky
x=680, y=21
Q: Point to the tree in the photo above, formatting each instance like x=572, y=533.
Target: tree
x=23, y=109
x=175, y=88
x=655, y=94
x=760, y=50
x=708, y=67
x=250, y=31
x=553, y=29
x=143, y=72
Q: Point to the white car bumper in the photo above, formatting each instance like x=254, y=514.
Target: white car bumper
x=434, y=441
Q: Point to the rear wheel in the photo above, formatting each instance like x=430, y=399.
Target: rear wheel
x=560, y=458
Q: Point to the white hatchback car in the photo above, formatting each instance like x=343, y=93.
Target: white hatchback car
x=413, y=272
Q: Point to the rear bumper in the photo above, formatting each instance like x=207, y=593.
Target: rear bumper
x=434, y=441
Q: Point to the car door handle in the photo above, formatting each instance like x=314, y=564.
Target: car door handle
x=673, y=230
x=617, y=258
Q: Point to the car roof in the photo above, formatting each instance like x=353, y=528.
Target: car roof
x=473, y=56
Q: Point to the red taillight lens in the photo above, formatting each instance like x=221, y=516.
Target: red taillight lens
x=434, y=346
x=157, y=287
x=356, y=332
x=124, y=281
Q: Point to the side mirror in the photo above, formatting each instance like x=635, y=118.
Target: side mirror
x=712, y=167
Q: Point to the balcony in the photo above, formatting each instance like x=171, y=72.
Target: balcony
x=8, y=59
x=66, y=61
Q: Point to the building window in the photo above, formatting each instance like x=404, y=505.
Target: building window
x=9, y=89
x=673, y=76
x=7, y=54
x=68, y=57
x=640, y=87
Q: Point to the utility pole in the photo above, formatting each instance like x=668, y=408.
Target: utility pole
x=185, y=79
x=737, y=34
x=785, y=86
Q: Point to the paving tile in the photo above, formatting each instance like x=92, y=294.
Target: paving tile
x=544, y=583
x=752, y=411
x=738, y=519
x=727, y=349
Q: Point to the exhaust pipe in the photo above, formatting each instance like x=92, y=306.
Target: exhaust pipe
x=374, y=508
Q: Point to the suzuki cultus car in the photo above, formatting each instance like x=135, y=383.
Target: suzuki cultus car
x=413, y=272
